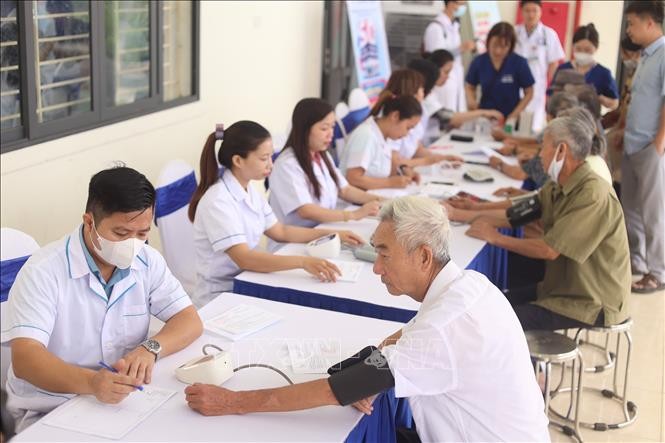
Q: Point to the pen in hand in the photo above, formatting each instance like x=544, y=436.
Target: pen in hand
x=115, y=371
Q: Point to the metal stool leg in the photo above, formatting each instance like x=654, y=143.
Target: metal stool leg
x=574, y=404
x=548, y=377
x=629, y=409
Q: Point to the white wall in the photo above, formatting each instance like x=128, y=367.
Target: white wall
x=257, y=60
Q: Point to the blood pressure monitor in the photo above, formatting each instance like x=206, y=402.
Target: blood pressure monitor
x=328, y=246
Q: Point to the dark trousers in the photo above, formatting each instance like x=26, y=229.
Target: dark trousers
x=536, y=317
x=524, y=271
x=406, y=435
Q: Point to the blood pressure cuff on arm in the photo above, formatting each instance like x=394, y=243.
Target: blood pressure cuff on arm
x=360, y=376
x=524, y=211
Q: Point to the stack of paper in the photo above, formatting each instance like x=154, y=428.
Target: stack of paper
x=87, y=415
x=351, y=270
x=436, y=190
x=241, y=321
x=313, y=356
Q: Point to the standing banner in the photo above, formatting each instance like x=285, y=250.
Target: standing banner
x=484, y=14
x=370, y=46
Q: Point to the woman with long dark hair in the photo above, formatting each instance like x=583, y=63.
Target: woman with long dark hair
x=305, y=184
x=230, y=215
x=367, y=157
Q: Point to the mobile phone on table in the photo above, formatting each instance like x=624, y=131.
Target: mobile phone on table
x=475, y=198
x=461, y=138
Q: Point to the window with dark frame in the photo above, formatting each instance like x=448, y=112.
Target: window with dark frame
x=72, y=65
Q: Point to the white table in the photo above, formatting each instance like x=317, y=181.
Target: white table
x=174, y=421
x=368, y=288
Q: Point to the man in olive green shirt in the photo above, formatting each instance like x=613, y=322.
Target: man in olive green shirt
x=585, y=245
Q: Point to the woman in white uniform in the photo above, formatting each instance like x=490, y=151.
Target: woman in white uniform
x=434, y=71
x=540, y=45
x=444, y=33
x=305, y=184
x=230, y=215
x=367, y=157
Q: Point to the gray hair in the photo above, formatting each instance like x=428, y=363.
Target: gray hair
x=419, y=221
x=598, y=143
x=573, y=131
x=560, y=101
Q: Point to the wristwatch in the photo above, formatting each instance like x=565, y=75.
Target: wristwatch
x=152, y=346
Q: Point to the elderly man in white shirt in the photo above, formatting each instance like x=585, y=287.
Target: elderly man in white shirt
x=78, y=313
x=462, y=361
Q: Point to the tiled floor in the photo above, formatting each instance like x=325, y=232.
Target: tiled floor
x=645, y=383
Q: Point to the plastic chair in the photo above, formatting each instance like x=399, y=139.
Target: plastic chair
x=176, y=184
x=15, y=249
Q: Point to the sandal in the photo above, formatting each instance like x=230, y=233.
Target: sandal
x=647, y=285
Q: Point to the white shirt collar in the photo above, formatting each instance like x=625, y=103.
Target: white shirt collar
x=76, y=263
x=537, y=31
x=238, y=192
x=439, y=285
x=444, y=20
x=375, y=127
x=231, y=182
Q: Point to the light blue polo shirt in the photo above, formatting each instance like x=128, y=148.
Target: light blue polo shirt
x=647, y=97
x=118, y=274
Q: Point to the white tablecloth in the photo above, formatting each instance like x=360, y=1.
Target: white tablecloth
x=174, y=421
x=369, y=287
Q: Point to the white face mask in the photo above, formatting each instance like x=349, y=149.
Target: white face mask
x=459, y=13
x=555, y=166
x=117, y=253
x=583, y=58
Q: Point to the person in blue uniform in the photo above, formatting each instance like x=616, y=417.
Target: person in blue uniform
x=501, y=74
x=585, y=45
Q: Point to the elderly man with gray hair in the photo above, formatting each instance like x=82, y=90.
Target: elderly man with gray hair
x=462, y=361
x=585, y=245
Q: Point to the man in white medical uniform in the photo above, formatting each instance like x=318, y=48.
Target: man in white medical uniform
x=85, y=301
x=444, y=33
x=540, y=45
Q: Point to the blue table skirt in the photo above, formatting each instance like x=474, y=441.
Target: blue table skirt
x=389, y=414
x=491, y=261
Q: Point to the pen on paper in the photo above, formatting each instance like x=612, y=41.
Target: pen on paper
x=114, y=370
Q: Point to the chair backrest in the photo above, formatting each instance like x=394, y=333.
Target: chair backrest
x=175, y=187
x=15, y=249
x=359, y=109
x=358, y=100
x=339, y=132
x=355, y=118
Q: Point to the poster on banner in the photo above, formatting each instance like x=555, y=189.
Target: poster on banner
x=484, y=15
x=370, y=46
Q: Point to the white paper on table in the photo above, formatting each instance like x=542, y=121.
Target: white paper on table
x=492, y=153
x=313, y=356
x=436, y=190
x=482, y=159
x=351, y=270
x=87, y=415
x=241, y=321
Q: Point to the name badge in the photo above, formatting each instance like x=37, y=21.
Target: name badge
x=507, y=78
